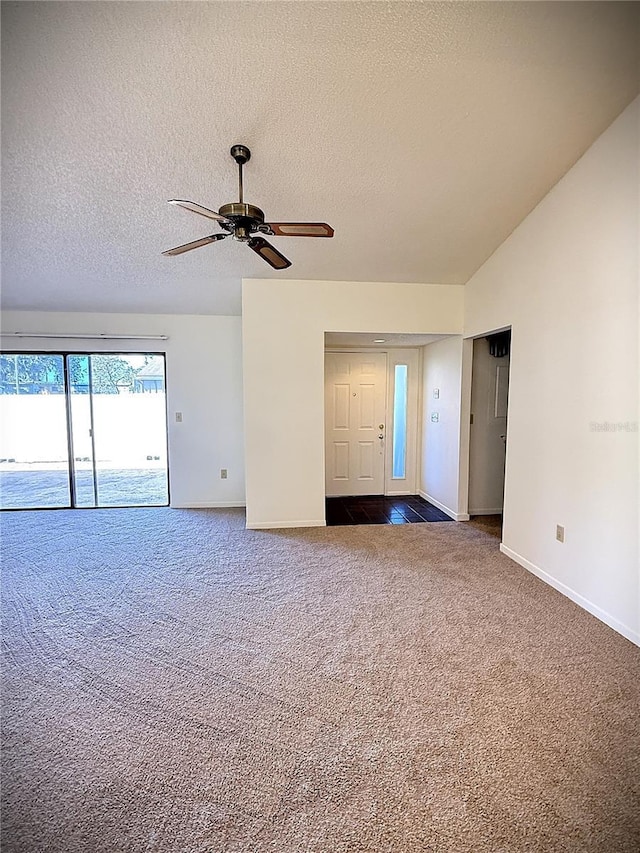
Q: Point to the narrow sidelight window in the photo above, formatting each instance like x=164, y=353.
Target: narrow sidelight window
x=400, y=422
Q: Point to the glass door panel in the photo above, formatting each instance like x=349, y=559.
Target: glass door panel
x=34, y=448
x=129, y=429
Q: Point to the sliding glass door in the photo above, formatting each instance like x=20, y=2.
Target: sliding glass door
x=83, y=430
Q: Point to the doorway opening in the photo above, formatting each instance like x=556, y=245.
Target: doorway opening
x=81, y=430
x=372, y=397
x=488, y=430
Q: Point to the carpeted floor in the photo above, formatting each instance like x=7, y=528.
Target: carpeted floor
x=173, y=682
x=491, y=524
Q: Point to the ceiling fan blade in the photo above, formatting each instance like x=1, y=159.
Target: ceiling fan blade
x=301, y=229
x=270, y=254
x=198, y=208
x=187, y=247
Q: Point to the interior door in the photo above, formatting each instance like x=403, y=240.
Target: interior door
x=355, y=395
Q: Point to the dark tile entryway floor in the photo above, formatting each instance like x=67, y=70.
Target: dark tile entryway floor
x=378, y=509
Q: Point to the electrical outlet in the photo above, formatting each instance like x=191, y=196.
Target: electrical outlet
x=559, y=533
x=178, y=417
x=435, y=417
x=223, y=473
x=436, y=393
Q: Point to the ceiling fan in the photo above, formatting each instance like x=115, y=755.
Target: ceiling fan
x=245, y=222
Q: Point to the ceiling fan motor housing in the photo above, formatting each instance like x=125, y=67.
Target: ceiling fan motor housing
x=244, y=220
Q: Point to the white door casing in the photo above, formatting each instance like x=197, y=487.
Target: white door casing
x=355, y=404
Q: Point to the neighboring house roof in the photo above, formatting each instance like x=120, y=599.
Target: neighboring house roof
x=153, y=370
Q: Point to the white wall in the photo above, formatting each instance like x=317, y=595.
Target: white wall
x=567, y=282
x=486, y=447
x=440, y=466
x=204, y=382
x=283, y=326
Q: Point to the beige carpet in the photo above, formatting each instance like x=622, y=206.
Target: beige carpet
x=173, y=682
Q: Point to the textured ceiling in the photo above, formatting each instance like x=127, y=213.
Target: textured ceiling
x=422, y=132
x=368, y=340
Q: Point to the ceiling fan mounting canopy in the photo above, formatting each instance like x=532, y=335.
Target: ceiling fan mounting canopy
x=244, y=221
x=240, y=154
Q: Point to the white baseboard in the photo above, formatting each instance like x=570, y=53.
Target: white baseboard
x=496, y=511
x=578, y=599
x=456, y=516
x=207, y=504
x=283, y=525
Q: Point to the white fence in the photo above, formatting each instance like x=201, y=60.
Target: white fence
x=128, y=428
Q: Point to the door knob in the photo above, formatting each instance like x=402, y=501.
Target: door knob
x=381, y=435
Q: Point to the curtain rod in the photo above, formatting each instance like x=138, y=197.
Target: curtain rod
x=100, y=336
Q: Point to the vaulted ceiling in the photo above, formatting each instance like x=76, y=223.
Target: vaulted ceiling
x=422, y=132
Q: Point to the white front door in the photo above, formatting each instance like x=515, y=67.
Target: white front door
x=355, y=400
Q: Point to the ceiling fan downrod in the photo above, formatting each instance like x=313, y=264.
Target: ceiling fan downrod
x=241, y=155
